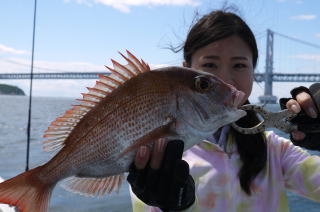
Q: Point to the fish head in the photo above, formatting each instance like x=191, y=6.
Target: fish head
x=205, y=103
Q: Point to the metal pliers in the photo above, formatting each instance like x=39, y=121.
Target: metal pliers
x=280, y=120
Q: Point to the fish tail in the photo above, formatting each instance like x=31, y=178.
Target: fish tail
x=27, y=192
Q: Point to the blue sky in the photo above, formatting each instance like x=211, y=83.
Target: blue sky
x=83, y=35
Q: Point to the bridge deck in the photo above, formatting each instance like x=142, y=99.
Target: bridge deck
x=259, y=77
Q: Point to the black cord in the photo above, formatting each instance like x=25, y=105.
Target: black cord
x=30, y=93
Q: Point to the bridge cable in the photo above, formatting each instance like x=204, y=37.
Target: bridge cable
x=30, y=93
x=298, y=40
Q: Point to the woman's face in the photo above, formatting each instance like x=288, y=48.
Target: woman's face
x=230, y=59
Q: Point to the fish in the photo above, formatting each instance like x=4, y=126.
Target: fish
x=96, y=140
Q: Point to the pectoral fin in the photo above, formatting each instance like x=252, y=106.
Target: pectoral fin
x=160, y=132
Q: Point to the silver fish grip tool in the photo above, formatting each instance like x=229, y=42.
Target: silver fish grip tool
x=280, y=120
x=286, y=120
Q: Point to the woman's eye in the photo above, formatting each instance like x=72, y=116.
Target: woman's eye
x=240, y=66
x=209, y=65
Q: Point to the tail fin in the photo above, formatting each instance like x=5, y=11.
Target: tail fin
x=26, y=192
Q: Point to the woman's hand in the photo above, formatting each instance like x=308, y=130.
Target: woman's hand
x=144, y=154
x=159, y=177
x=302, y=101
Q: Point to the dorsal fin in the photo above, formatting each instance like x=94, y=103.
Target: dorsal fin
x=137, y=63
x=60, y=129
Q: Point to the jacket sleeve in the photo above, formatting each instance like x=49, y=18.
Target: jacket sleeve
x=301, y=171
x=139, y=206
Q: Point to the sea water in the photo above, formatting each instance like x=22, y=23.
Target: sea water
x=13, y=136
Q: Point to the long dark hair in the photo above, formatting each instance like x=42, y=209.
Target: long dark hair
x=213, y=27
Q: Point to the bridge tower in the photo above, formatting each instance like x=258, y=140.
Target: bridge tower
x=268, y=97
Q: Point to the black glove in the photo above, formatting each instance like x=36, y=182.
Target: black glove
x=171, y=187
x=306, y=124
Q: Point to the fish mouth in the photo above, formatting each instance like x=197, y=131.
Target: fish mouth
x=235, y=98
x=238, y=97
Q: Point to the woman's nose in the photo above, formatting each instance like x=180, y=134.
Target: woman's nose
x=226, y=76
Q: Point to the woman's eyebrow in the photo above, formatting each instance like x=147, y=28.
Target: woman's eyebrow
x=211, y=57
x=239, y=58
x=215, y=57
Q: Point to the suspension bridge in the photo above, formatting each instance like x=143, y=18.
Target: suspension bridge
x=259, y=77
x=268, y=77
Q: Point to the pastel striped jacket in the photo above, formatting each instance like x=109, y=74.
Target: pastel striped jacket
x=215, y=172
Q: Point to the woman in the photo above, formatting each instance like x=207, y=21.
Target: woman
x=231, y=171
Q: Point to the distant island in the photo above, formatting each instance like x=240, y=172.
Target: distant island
x=10, y=90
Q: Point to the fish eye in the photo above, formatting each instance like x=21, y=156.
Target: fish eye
x=203, y=83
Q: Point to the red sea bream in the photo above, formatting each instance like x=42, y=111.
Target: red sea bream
x=133, y=106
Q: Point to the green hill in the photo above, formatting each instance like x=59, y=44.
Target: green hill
x=10, y=90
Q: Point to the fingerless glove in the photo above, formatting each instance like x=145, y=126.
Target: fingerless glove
x=171, y=187
x=306, y=124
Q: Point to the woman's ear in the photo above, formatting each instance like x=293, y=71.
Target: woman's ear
x=185, y=64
